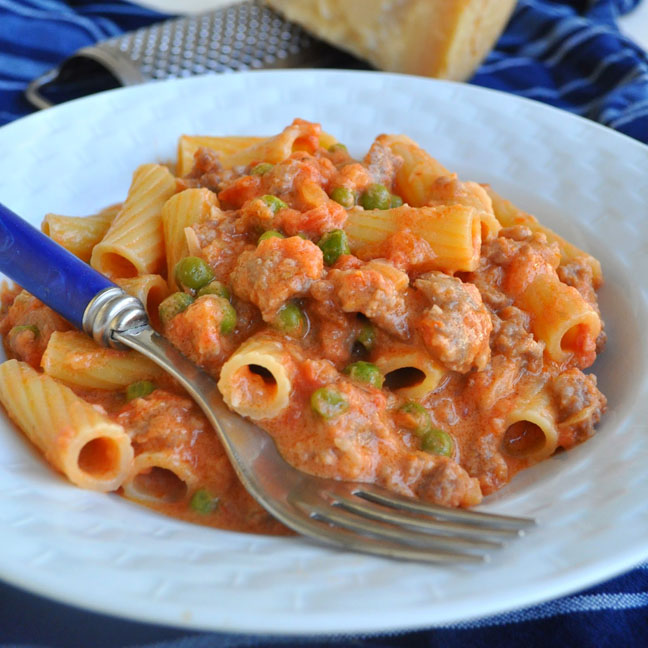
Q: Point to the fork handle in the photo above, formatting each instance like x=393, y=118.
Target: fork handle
x=47, y=270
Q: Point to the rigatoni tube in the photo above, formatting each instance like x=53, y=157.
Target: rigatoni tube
x=183, y=210
x=509, y=215
x=150, y=289
x=87, y=447
x=453, y=233
x=410, y=372
x=163, y=476
x=134, y=242
x=256, y=381
x=79, y=234
x=562, y=319
x=417, y=172
x=74, y=358
x=188, y=145
x=530, y=428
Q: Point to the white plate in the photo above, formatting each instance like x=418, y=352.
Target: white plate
x=588, y=183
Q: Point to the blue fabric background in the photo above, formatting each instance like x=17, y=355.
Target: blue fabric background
x=570, y=54
x=566, y=53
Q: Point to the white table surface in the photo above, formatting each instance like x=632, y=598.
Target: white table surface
x=635, y=24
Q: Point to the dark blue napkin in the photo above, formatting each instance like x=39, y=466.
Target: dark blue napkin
x=612, y=615
x=569, y=54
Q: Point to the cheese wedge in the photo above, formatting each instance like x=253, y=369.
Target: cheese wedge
x=447, y=39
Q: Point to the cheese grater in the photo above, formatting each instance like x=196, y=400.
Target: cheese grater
x=243, y=36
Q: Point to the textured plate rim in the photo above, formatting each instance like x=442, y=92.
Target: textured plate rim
x=273, y=623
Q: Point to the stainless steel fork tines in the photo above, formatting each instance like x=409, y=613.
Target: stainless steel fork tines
x=359, y=517
x=367, y=518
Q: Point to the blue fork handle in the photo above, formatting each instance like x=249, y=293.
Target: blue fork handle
x=47, y=270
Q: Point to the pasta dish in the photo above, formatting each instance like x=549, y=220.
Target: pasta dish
x=382, y=319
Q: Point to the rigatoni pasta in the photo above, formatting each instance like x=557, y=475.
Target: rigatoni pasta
x=531, y=429
x=510, y=216
x=87, y=447
x=150, y=289
x=409, y=372
x=187, y=208
x=79, y=234
x=417, y=172
x=561, y=319
x=188, y=146
x=379, y=317
x=75, y=359
x=256, y=381
x=134, y=241
x=421, y=180
x=452, y=234
x=160, y=477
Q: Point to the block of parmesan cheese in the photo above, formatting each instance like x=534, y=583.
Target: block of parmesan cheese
x=447, y=39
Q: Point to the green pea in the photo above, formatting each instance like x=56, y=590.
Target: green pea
x=215, y=288
x=203, y=502
x=270, y=234
x=338, y=146
x=438, y=442
x=415, y=417
x=139, y=389
x=376, y=196
x=292, y=320
x=365, y=372
x=15, y=330
x=396, y=201
x=344, y=196
x=274, y=203
x=366, y=336
x=333, y=245
x=229, y=319
x=261, y=168
x=328, y=403
x=193, y=273
x=172, y=305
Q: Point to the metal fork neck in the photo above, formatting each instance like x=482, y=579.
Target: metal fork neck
x=112, y=310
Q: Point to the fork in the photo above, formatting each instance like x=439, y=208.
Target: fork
x=356, y=516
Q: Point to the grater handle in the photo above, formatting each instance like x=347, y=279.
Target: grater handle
x=89, y=70
x=33, y=90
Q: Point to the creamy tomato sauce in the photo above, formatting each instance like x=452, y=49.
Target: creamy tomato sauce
x=351, y=315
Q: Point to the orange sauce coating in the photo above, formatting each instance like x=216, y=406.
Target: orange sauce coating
x=491, y=365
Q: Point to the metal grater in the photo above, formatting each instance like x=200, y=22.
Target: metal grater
x=239, y=37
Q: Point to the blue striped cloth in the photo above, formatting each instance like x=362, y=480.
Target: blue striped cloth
x=569, y=54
